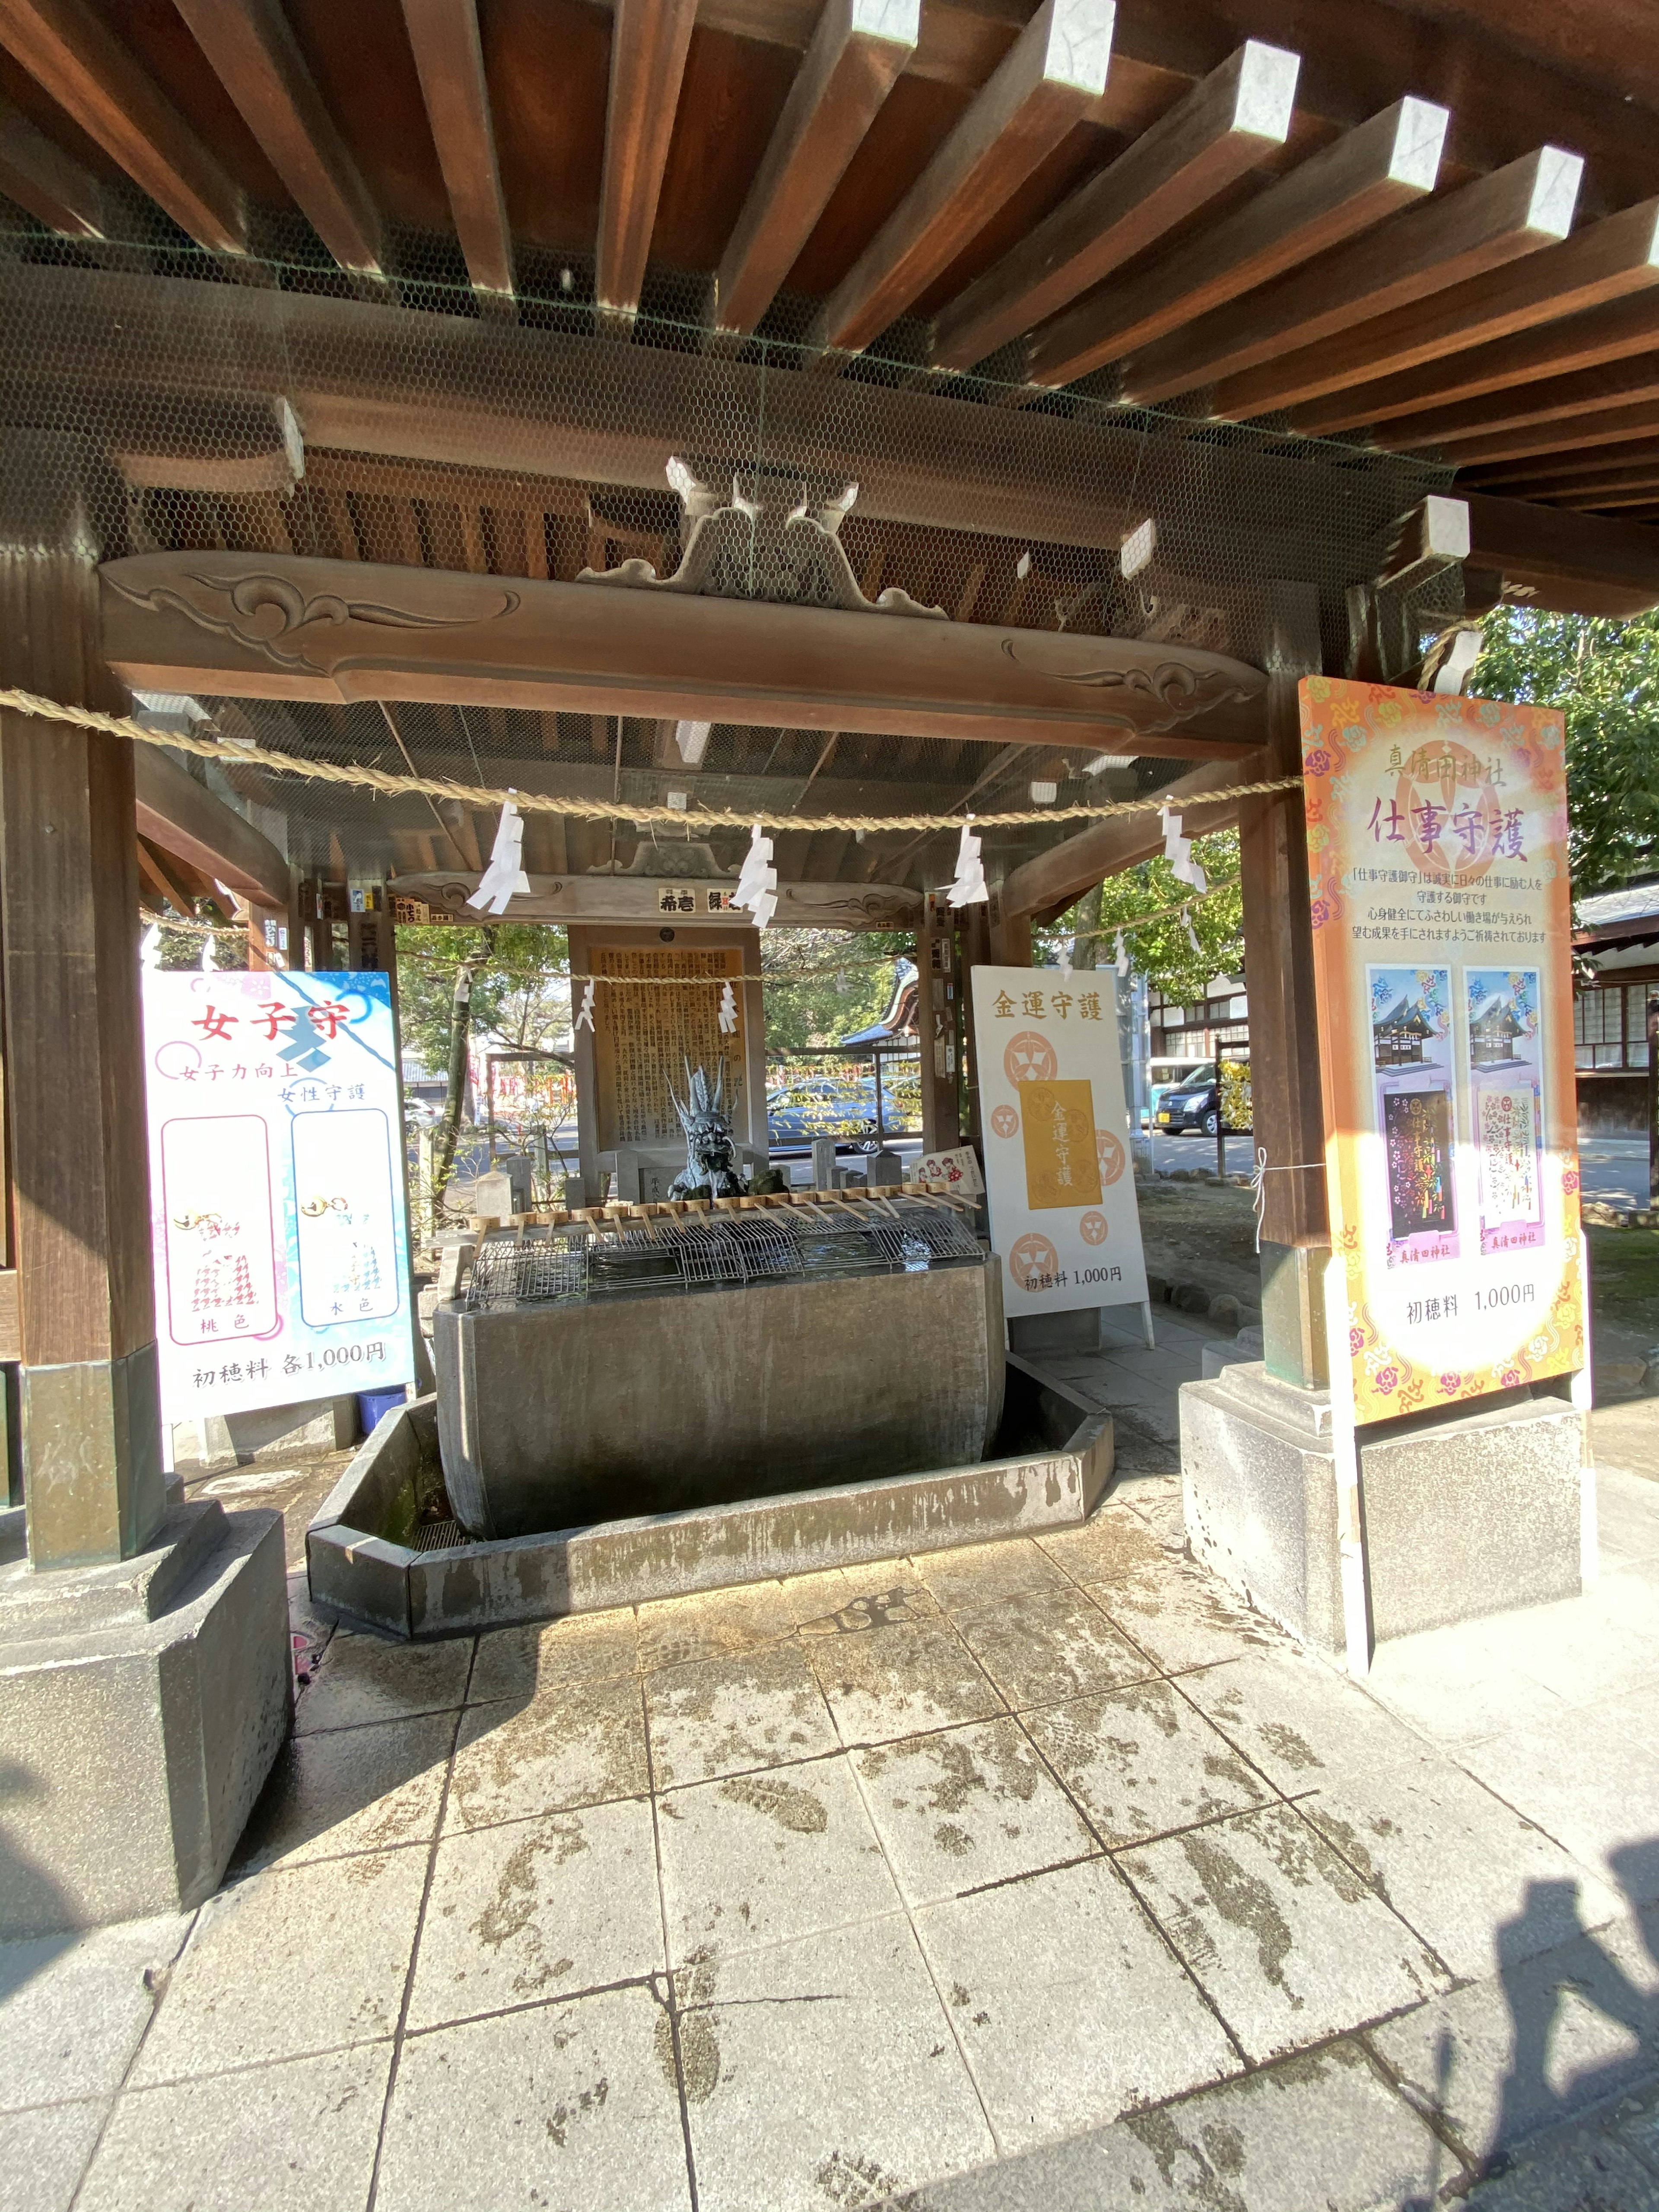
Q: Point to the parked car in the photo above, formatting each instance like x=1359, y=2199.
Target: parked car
x=1191, y=1108
x=1164, y=1075
x=822, y=1106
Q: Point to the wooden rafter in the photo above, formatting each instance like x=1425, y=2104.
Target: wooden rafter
x=1054, y=70
x=1224, y=126
x=1364, y=176
x=41, y=177
x=257, y=58
x=1603, y=262
x=1515, y=210
x=857, y=54
x=1554, y=417
x=68, y=48
x=449, y=60
x=1592, y=340
x=648, y=43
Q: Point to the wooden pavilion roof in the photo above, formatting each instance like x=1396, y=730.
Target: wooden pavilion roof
x=1219, y=205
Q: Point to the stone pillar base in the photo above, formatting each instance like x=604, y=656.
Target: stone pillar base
x=1465, y=1514
x=141, y=1706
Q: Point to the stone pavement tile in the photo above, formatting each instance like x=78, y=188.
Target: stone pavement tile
x=824, y=2073
x=717, y=1624
x=1067, y=2003
x=302, y=1960
x=979, y=1573
x=1118, y=1545
x=965, y=1805
x=876, y=1606
x=1454, y=1861
x=73, y=2008
x=1588, y=1777
x=575, y=1747
x=300, y=2136
x=1598, y=1645
x=1626, y=1514
x=816, y=1597
x=1585, y=2174
x=527, y=1662
x=349, y=1789
x=764, y=1858
x=898, y=1682
x=1635, y=2122
x=44, y=2152
x=536, y=1909
x=564, y=2105
x=1047, y=1645
x=1318, y=2129
x=1282, y=1933
x=1297, y=1720
x=1141, y=1762
x=1185, y=1618
x=1447, y=1690
x=714, y=1716
x=366, y=1678
x=1554, y=2033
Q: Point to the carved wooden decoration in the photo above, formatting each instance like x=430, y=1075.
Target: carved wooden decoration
x=758, y=548
x=287, y=627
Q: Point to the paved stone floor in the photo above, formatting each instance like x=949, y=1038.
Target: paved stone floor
x=1032, y=1876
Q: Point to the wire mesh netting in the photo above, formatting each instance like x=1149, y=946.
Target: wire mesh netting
x=277, y=407
x=720, y=1251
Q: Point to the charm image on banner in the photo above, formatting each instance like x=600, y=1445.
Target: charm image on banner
x=277, y=1188
x=1441, y=933
x=1061, y=1196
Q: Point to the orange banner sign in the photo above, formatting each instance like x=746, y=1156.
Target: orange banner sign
x=1441, y=934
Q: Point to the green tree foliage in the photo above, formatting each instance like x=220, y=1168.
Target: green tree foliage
x=821, y=983
x=514, y=998
x=1604, y=676
x=1162, y=951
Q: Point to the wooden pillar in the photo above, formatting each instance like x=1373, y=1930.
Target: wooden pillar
x=937, y=984
x=975, y=922
x=90, y=1419
x=1285, y=1085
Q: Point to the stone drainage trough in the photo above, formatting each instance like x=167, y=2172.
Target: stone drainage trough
x=384, y=1551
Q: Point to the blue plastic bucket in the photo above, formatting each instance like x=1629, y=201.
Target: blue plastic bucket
x=374, y=1406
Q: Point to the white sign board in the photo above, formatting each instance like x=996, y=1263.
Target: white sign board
x=1059, y=1180
x=277, y=1189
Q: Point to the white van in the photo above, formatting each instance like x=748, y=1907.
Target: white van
x=1164, y=1075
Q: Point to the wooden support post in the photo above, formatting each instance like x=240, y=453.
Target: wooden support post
x=94, y=1488
x=1285, y=1085
x=975, y=922
x=936, y=1026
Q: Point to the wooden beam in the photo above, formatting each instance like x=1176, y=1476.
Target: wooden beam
x=1596, y=340
x=1629, y=488
x=1223, y=127
x=1591, y=461
x=1046, y=886
x=1365, y=175
x=1562, y=424
x=857, y=54
x=69, y=50
x=238, y=624
x=448, y=51
x=1328, y=385
x=183, y=817
x=157, y=878
x=1515, y=210
x=41, y=177
x=479, y=394
x=649, y=44
x=1055, y=68
x=1574, y=563
x=257, y=58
